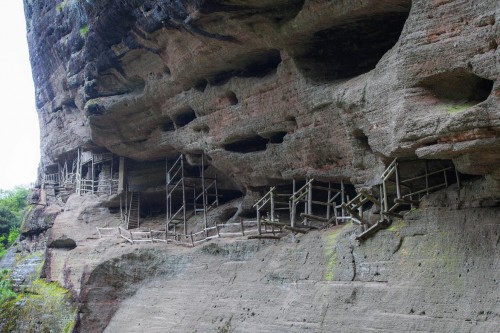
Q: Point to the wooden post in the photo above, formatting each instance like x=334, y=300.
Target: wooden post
x=183, y=195
x=121, y=209
x=336, y=214
x=342, y=197
x=204, y=195
x=381, y=191
x=384, y=188
x=138, y=209
x=216, y=192
x=258, y=220
x=272, y=205
x=328, y=201
x=427, y=176
x=121, y=175
x=309, y=202
x=242, y=227
x=92, y=181
x=167, y=216
x=192, y=241
x=398, y=187
x=293, y=206
x=194, y=201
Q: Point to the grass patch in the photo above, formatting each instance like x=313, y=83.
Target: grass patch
x=84, y=30
x=42, y=307
x=60, y=7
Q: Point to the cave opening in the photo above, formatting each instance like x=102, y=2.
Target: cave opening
x=277, y=137
x=248, y=145
x=185, y=117
x=265, y=64
x=351, y=49
x=201, y=85
x=168, y=125
x=231, y=97
x=255, y=143
x=458, y=86
x=361, y=140
x=258, y=64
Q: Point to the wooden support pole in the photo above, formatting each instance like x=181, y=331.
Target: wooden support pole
x=258, y=221
x=272, y=205
x=138, y=209
x=427, y=176
x=342, y=197
x=121, y=175
x=204, y=195
x=398, y=187
x=386, y=205
x=183, y=195
x=328, y=201
x=314, y=217
x=216, y=192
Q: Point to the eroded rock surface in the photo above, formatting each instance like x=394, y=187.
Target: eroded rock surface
x=272, y=91
x=417, y=276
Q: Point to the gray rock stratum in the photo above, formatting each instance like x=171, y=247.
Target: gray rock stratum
x=270, y=91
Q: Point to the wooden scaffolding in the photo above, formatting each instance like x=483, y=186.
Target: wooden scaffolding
x=267, y=206
x=397, y=192
x=89, y=183
x=187, y=195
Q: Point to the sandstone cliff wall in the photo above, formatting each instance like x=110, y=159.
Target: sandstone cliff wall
x=271, y=91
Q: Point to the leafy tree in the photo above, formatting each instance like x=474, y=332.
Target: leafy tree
x=12, y=206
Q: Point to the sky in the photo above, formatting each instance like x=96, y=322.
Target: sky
x=19, y=133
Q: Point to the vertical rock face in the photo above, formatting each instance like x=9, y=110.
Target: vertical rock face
x=270, y=90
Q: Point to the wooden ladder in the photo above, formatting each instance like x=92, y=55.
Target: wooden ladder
x=133, y=216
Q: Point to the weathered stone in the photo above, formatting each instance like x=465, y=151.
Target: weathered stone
x=270, y=91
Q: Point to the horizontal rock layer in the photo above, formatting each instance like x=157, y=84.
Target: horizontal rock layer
x=271, y=89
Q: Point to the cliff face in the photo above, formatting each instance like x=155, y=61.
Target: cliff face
x=271, y=91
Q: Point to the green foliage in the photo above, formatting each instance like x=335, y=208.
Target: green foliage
x=12, y=207
x=60, y=6
x=6, y=292
x=84, y=30
x=44, y=307
x=13, y=235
